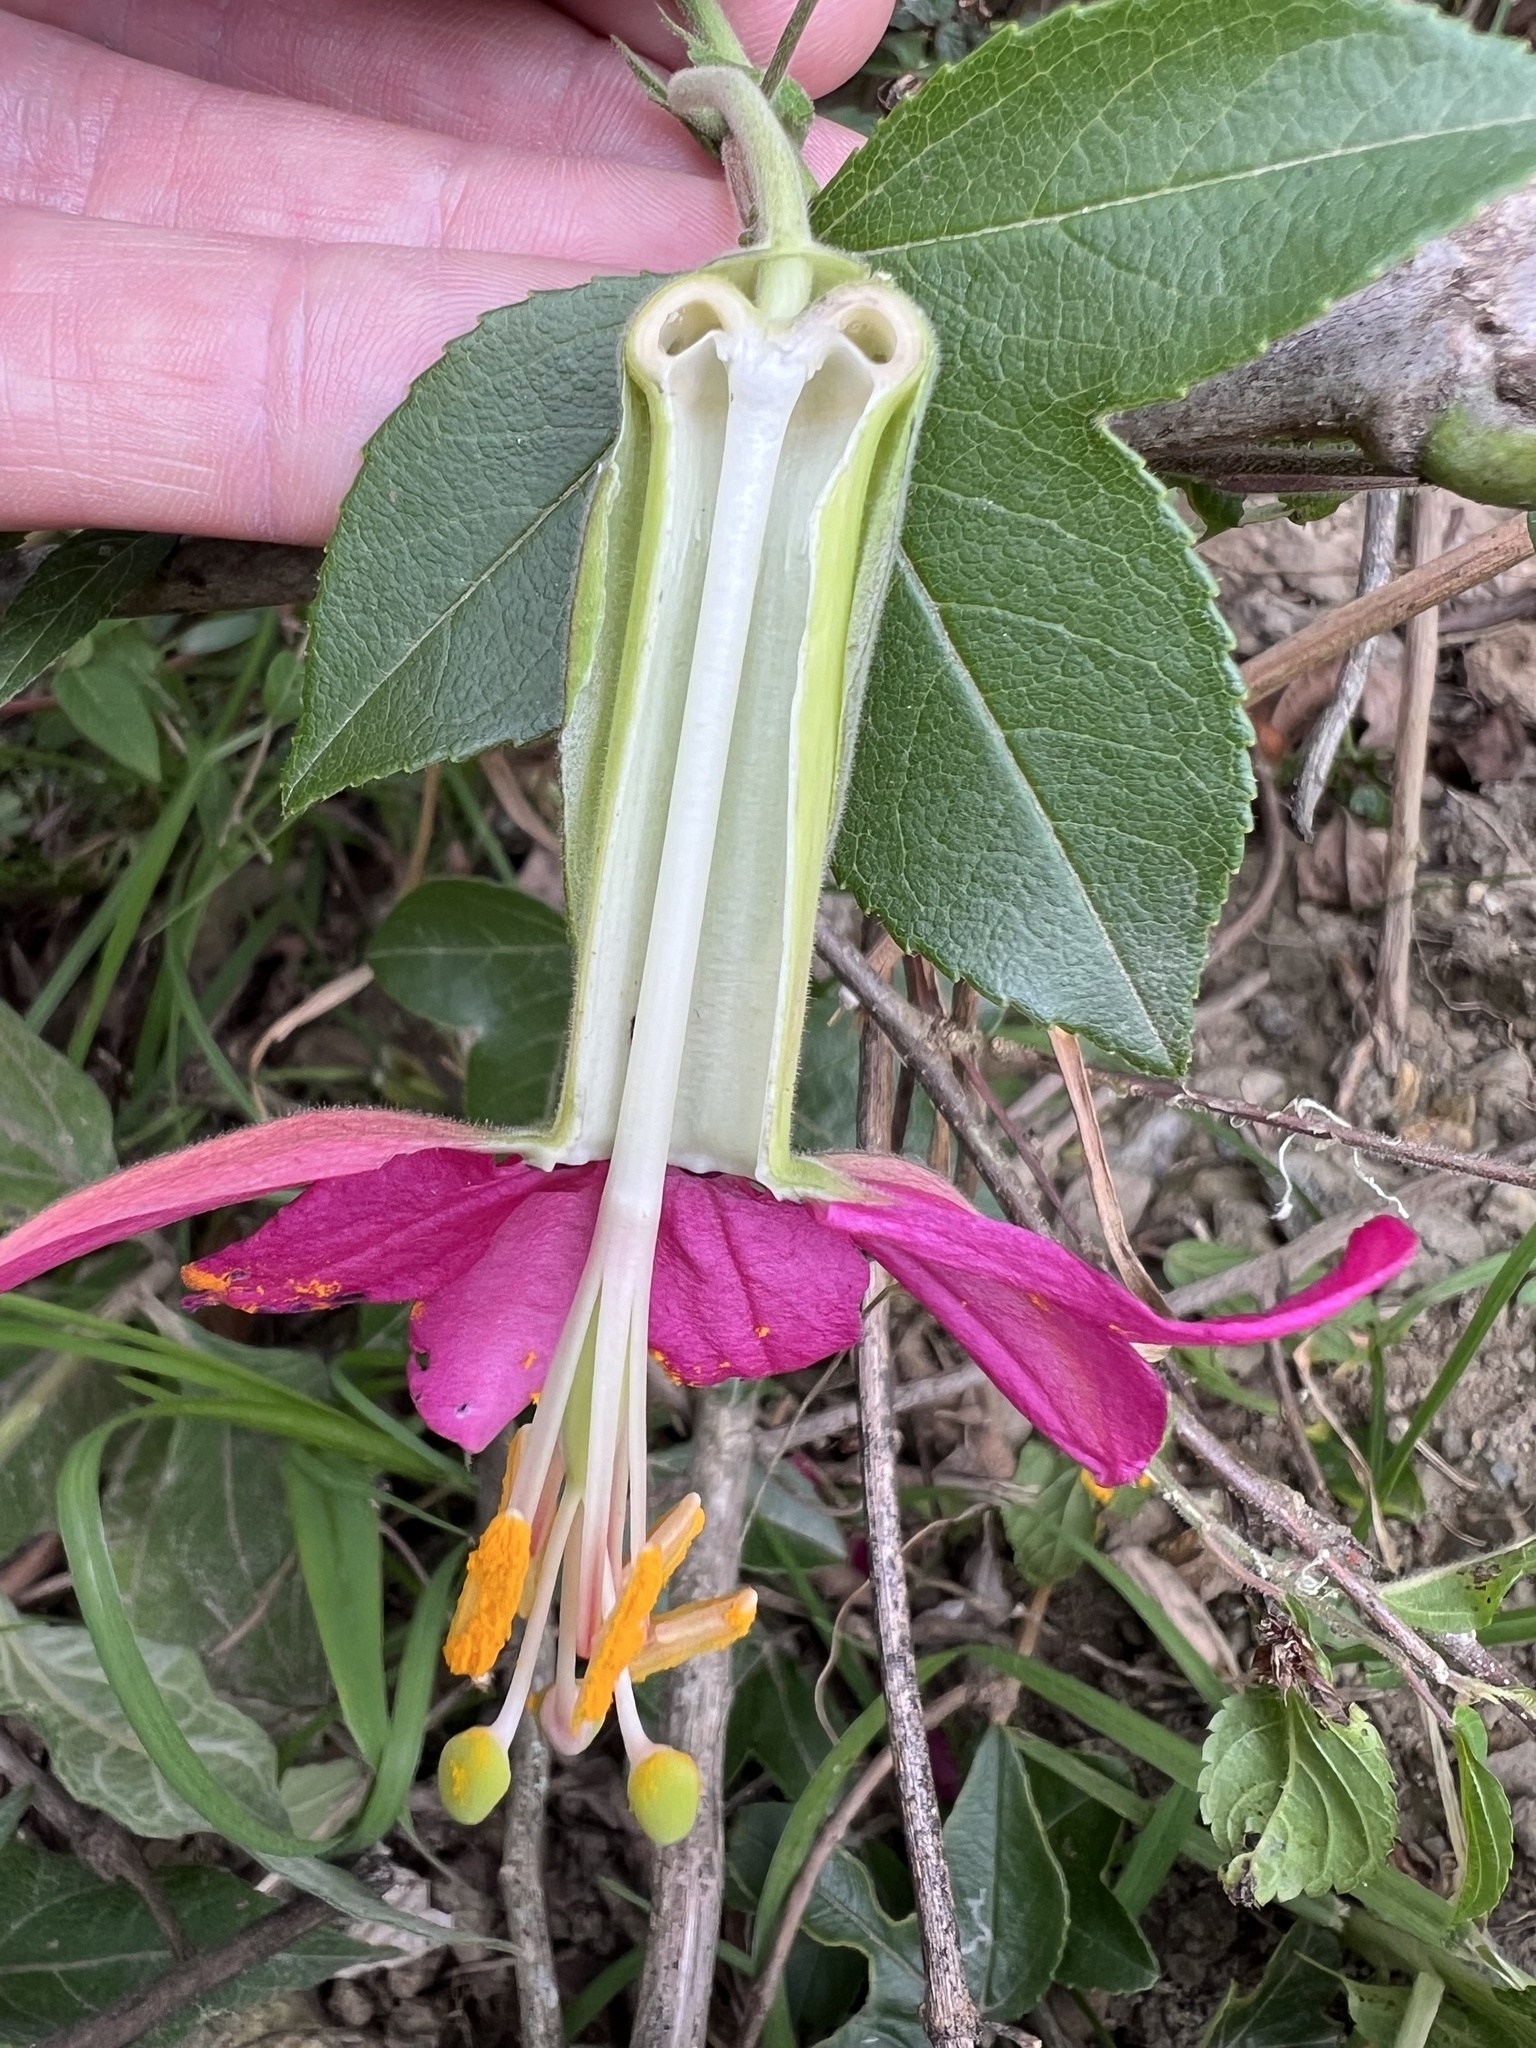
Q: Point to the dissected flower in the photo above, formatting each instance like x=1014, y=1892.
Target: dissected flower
x=731, y=581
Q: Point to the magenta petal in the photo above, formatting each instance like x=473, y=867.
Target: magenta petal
x=1034, y=1318
x=483, y=1344
x=1376, y=1253
x=1055, y=1334
x=404, y=1230
x=317, y=1145
x=745, y=1285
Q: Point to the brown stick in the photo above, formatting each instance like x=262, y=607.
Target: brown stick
x=949, y=2015
x=520, y=1879
x=1426, y=585
x=688, y=1885
x=951, y=1097
x=766, y=1989
x=905, y=1025
x=1419, y=661
x=129, y=2019
x=1101, y=1181
x=815, y=1429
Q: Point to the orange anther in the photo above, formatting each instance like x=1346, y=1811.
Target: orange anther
x=673, y=1535
x=694, y=1630
x=493, y=1586
x=622, y=1636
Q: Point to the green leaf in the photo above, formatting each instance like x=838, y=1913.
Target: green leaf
x=1105, y=1949
x=845, y=1913
x=1289, y=2006
x=46, y=1404
x=478, y=957
x=1485, y=1820
x=773, y=1718
x=786, y=1515
x=75, y=586
x=1050, y=788
x=70, y=1944
x=1378, y=2009
x=1040, y=1533
x=103, y=697
x=204, y=1553
x=1296, y=1802
x=1010, y=1898
x=320, y=1798
x=341, y=1553
x=51, y=1677
x=1459, y=1599
x=55, y=1125
x=440, y=626
x=1010, y=1903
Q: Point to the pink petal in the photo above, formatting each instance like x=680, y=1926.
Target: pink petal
x=1055, y=1334
x=403, y=1230
x=1036, y=1325
x=746, y=1285
x=317, y=1145
x=1376, y=1253
x=483, y=1343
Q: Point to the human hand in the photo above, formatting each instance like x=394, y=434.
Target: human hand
x=233, y=231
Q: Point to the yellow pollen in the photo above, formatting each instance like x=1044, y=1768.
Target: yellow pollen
x=493, y=1586
x=622, y=1636
x=530, y=1360
x=205, y=1283
x=763, y=1331
x=694, y=1630
x=317, y=1290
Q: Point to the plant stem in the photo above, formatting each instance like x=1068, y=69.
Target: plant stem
x=949, y=2015
x=1513, y=1271
x=1420, y=657
x=521, y=1878
x=777, y=182
x=688, y=1887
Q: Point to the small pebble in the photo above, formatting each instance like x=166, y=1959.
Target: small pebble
x=1503, y=1474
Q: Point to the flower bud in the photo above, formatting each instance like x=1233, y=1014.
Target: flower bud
x=664, y=1795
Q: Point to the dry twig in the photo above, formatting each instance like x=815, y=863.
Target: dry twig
x=1419, y=661
x=1378, y=550
x=688, y=1889
x=949, y=2015
x=521, y=1880
x=1426, y=585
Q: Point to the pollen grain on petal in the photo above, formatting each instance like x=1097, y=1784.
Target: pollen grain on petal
x=621, y=1638
x=317, y=1290
x=694, y=1630
x=493, y=1588
x=201, y=1281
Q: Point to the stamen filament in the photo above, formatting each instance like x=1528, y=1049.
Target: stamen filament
x=505, y=1724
